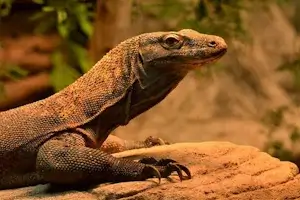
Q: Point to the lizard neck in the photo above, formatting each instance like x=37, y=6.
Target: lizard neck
x=100, y=88
x=140, y=101
x=144, y=99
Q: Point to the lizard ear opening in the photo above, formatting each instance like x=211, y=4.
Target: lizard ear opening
x=145, y=75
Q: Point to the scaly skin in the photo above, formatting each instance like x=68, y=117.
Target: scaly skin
x=57, y=140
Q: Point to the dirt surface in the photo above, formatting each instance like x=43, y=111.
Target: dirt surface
x=220, y=170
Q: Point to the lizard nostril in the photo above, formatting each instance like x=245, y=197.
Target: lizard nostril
x=212, y=44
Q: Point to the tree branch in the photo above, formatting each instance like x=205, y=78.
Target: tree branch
x=18, y=91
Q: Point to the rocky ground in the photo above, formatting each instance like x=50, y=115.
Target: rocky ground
x=220, y=170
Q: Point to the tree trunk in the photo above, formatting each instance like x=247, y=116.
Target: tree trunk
x=111, y=26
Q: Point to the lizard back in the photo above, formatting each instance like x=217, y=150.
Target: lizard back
x=101, y=87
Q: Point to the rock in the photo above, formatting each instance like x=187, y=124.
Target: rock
x=220, y=170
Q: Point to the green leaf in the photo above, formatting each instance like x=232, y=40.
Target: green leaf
x=85, y=25
x=82, y=14
x=37, y=16
x=275, y=117
x=201, y=10
x=48, y=9
x=63, y=30
x=295, y=135
x=12, y=72
x=61, y=16
x=44, y=27
x=39, y=1
x=17, y=72
x=277, y=145
x=62, y=74
x=2, y=90
x=81, y=56
x=5, y=7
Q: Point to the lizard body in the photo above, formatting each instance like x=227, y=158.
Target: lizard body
x=56, y=139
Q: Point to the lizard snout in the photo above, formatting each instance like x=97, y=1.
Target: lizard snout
x=212, y=43
x=217, y=43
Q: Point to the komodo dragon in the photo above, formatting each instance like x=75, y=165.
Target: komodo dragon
x=56, y=140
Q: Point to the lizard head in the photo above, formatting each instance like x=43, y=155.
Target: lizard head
x=185, y=48
x=179, y=52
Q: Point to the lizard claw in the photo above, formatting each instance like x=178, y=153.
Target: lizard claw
x=166, y=167
x=186, y=170
x=155, y=141
x=175, y=167
x=162, y=142
x=171, y=167
x=152, y=171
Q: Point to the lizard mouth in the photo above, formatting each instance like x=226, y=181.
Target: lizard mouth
x=221, y=52
x=217, y=55
x=209, y=59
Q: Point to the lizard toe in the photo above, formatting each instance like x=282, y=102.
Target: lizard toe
x=165, y=161
x=186, y=170
x=171, y=167
x=153, y=161
x=151, y=171
x=167, y=166
x=174, y=167
x=155, y=141
x=148, y=160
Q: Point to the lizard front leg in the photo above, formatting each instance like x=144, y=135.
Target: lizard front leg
x=114, y=144
x=66, y=160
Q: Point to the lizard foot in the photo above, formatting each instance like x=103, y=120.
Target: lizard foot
x=164, y=167
x=154, y=141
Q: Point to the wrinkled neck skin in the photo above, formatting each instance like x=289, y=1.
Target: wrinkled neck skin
x=138, y=99
x=143, y=99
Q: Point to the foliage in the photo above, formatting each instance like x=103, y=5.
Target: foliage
x=292, y=66
x=222, y=17
x=63, y=74
x=5, y=6
x=10, y=72
x=68, y=18
x=72, y=20
x=274, y=119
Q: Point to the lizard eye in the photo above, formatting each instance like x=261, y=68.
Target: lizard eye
x=172, y=41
